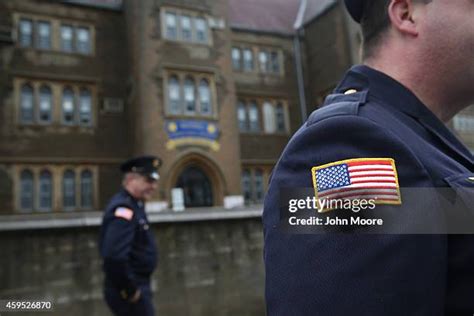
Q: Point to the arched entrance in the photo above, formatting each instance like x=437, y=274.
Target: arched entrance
x=196, y=186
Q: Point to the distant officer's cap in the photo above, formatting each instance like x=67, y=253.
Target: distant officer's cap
x=144, y=165
x=355, y=8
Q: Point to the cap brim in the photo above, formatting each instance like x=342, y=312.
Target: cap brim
x=154, y=175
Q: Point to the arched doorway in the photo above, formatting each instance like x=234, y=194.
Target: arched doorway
x=196, y=186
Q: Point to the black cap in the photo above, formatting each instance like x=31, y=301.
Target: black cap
x=144, y=165
x=355, y=8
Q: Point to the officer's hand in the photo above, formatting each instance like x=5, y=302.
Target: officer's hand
x=136, y=296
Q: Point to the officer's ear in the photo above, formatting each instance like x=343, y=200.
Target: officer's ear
x=404, y=15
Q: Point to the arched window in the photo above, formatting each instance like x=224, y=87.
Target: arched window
x=254, y=120
x=26, y=190
x=26, y=104
x=45, y=104
x=69, y=190
x=242, y=117
x=68, y=106
x=246, y=185
x=258, y=185
x=269, y=117
x=189, y=96
x=205, y=97
x=280, y=118
x=87, y=191
x=85, y=107
x=174, y=95
x=45, y=190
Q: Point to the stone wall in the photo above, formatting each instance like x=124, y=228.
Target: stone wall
x=206, y=268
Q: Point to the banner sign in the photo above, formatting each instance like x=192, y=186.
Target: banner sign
x=192, y=132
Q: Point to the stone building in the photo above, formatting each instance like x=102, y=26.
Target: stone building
x=209, y=86
x=214, y=87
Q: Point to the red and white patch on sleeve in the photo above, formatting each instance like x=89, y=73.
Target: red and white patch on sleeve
x=124, y=213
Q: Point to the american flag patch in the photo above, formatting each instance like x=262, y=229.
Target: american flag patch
x=124, y=213
x=365, y=178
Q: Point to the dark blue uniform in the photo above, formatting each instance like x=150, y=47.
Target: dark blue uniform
x=370, y=115
x=129, y=251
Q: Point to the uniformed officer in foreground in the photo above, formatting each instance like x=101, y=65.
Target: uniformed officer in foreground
x=379, y=132
x=127, y=244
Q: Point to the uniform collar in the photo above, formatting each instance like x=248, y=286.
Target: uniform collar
x=138, y=202
x=393, y=94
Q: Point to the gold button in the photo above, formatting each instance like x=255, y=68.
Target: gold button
x=350, y=91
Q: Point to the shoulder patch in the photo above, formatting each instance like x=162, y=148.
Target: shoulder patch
x=124, y=213
x=366, y=179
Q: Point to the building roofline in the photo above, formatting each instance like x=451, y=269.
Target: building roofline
x=93, y=6
x=242, y=29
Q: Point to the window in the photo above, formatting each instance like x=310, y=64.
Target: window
x=85, y=107
x=66, y=38
x=174, y=98
x=36, y=191
x=45, y=104
x=248, y=60
x=246, y=185
x=44, y=35
x=25, y=31
x=258, y=185
x=26, y=104
x=171, y=29
x=236, y=58
x=69, y=190
x=186, y=29
x=464, y=123
x=189, y=98
x=205, y=97
x=254, y=121
x=280, y=118
x=201, y=30
x=269, y=118
x=83, y=41
x=263, y=61
x=275, y=62
x=185, y=26
x=26, y=190
x=68, y=106
x=45, y=191
x=196, y=99
x=242, y=116
x=86, y=189
x=54, y=34
x=37, y=103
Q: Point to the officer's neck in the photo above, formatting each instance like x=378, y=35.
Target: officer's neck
x=426, y=85
x=133, y=193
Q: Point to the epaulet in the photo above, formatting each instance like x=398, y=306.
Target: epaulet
x=332, y=110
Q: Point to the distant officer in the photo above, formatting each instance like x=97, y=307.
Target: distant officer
x=381, y=136
x=127, y=244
